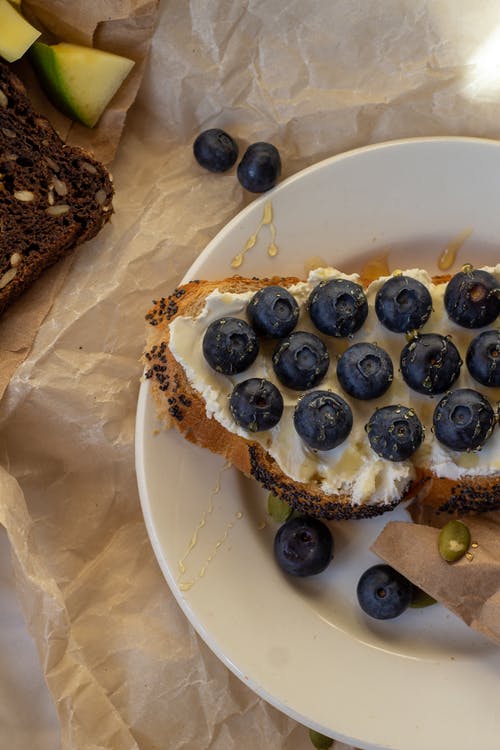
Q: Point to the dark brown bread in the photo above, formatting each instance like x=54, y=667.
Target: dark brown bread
x=52, y=196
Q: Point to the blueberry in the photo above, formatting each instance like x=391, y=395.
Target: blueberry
x=472, y=298
x=395, y=432
x=322, y=419
x=403, y=304
x=215, y=150
x=301, y=360
x=338, y=307
x=303, y=546
x=256, y=404
x=383, y=593
x=365, y=371
x=230, y=345
x=463, y=420
x=273, y=312
x=430, y=363
x=260, y=167
x=483, y=358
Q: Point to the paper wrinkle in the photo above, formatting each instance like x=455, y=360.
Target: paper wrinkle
x=47, y=616
x=124, y=667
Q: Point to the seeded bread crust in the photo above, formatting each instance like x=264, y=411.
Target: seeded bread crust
x=457, y=497
x=52, y=196
x=178, y=404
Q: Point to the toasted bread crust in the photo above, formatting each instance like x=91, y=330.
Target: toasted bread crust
x=470, y=494
x=180, y=405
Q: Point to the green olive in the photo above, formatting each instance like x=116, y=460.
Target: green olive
x=454, y=540
x=278, y=509
x=320, y=741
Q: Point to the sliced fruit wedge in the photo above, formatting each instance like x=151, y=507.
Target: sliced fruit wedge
x=80, y=81
x=16, y=34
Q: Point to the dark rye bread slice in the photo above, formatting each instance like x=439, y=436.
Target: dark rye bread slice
x=52, y=196
x=179, y=405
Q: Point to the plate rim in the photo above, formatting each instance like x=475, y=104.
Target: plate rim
x=260, y=199
x=144, y=395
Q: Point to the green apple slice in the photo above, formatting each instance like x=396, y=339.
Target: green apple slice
x=16, y=34
x=81, y=81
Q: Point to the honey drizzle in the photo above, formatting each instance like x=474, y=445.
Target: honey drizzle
x=272, y=249
x=470, y=555
x=449, y=254
x=375, y=268
x=186, y=585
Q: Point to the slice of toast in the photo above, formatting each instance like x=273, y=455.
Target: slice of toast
x=197, y=408
x=52, y=196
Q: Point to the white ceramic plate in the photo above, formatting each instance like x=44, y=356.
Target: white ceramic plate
x=424, y=680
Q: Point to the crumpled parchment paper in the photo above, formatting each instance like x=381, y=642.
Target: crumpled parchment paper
x=124, y=668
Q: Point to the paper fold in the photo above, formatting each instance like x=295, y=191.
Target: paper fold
x=469, y=587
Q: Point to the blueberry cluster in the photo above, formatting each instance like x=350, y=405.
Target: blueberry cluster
x=304, y=546
x=258, y=170
x=429, y=362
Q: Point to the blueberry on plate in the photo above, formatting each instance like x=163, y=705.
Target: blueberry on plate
x=273, y=312
x=322, y=419
x=260, y=167
x=430, y=363
x=338, y=307
x=472, y=298
x=215, y=150
x=463, y=420
x=256, y=404
x=303, y=546
x=301, y=360
x=483, y=358
x=365, y=371
x=383, y=593
x=403, y=304
x=395, y=432
x=230, y=345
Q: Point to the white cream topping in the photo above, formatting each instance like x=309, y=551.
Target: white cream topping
x=353, y=466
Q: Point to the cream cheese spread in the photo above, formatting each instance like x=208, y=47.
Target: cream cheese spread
x=352, y=467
